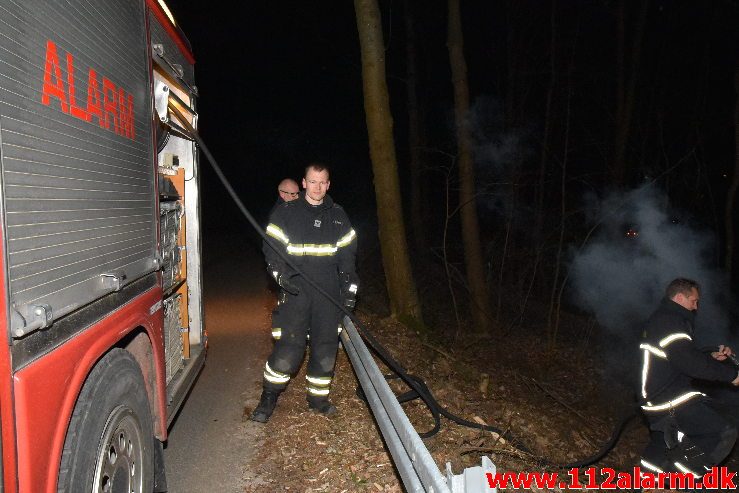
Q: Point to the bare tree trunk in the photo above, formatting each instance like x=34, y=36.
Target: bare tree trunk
x=555, y=302
x=501, y=269
x=545, y=144
x=415, y=133
x=538, y=236
x=731, y=195
x=470, y=228
x=448, y=216
x=511, y=64
x=616, y=170
x=400, y=284
x=626, y=93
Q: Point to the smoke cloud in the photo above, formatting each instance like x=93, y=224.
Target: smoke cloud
x=498, y=152
x=496, y=149
x=621, y=278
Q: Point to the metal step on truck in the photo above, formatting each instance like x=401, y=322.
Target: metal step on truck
x=99, y=212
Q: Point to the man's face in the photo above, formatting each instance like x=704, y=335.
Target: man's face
x=289, y=191
x=690, y=301
x=316, y=185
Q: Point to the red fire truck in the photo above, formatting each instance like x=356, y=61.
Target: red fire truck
x=100, y=265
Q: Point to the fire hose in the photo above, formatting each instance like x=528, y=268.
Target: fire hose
x=418, y=387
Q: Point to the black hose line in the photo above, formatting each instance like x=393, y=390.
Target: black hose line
x=418, y=386
x=615, y=435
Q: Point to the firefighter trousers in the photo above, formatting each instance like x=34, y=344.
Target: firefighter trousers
x=702, y=438
x=307, y=318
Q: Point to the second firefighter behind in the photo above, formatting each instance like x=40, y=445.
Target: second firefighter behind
x=315, y=233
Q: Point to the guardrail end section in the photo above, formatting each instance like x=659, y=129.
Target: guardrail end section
x=472, y=479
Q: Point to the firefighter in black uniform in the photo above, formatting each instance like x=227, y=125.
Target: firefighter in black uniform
x=686, y=434
x=316, y=234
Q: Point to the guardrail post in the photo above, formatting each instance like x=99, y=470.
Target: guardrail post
x=472, y=479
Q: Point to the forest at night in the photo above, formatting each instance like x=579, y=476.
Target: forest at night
x=524, y=177
x=602, y=136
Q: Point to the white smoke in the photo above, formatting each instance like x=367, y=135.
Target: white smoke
x=497, y=151
x=621, y=279
x=496, y=148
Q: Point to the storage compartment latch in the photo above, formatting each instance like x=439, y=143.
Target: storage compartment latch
x=38, y=317
x=157, y=262
x=113, y=280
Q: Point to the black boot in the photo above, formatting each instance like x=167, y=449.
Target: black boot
x=321, y=405
x=266, y=406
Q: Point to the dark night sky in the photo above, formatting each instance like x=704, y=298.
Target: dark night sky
x=280, y=85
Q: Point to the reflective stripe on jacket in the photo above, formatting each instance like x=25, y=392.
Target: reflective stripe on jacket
x=670, y=360
x=319, y=238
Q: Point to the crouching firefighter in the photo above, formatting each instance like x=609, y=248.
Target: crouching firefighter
x=316, y=235
x=686, y=433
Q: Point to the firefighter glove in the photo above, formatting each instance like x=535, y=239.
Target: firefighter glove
x=349, y=288
x=287, y=285
x=283, y=280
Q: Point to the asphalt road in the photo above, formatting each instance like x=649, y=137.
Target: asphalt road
x=209, y=443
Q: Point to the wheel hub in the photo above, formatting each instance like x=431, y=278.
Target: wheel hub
x=120, y=454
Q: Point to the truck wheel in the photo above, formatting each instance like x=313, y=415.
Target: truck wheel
x=109, y=442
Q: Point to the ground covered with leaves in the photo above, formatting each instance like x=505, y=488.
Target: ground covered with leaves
x=551, y=410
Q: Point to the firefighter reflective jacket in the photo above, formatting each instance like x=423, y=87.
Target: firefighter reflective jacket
x=670, y=360
x=317, y=238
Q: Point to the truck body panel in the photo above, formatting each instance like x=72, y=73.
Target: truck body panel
x=77, y=177
x=43, y=388
x=99, y=215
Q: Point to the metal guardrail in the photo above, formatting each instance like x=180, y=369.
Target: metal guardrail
x=415, y=465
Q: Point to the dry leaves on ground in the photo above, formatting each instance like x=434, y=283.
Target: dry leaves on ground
x=549, y=408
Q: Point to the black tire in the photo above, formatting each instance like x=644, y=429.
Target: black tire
x=108, y=448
